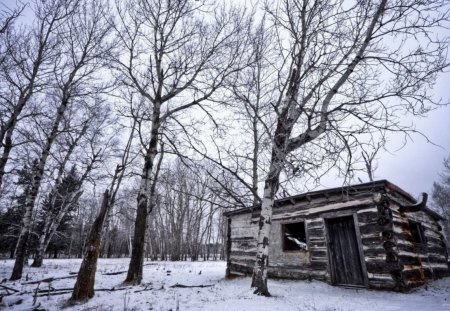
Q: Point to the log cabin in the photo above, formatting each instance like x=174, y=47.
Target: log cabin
x=372, y=235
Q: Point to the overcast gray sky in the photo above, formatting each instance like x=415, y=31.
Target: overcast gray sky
x=415, y=166
x=418, y=164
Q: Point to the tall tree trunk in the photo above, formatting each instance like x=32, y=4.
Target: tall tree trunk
x=34, y=190
x=144, y=203
x=7, y=146
x=282, y=133
x=259, y=279
x=84, y=286
x=51, y=222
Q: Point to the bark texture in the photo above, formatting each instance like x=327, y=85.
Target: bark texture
x=144, y=201
x=84, y=286
x=259, y=278
x=51, y=221
x=31, y=198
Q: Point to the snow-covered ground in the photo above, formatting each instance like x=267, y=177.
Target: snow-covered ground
x=156, y=292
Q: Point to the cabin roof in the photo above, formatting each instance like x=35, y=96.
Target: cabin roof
x=363, y=188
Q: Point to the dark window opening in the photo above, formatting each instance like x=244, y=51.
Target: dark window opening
x=417, y=233
x=294, y=236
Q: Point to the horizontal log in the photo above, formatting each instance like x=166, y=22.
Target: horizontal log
x=382, y=266
x=318, y=264
x=243, y=260
x=236, y=254
x=409, y=260
x=370, y=228
x=374, y=252
x=437, y=258
x=382, y=283
x=371, y=235
x=315, y=223
x=316, y=232
x=315, y=239
x=238, y=269
x=296, y=274
x=367, y=217
x=317, y=244
x=372, y=241
x=242, y=238
x=318, y=253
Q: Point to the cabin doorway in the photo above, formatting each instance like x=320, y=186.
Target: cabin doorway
x=345, y=260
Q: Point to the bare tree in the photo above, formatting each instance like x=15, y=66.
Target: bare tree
x=369, y=157
x=341, y=75
x=23, y=69
x=177, y=54
x=82, y=49
x=84, y=286
x=7, y=18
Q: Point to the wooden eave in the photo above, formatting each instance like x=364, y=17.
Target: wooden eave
x=347, y=192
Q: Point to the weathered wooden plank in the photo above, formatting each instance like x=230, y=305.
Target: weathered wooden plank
x=346, y=266
x=243, y=245
x=382, y=266
x=296, y=274
x=315, y=223
x=372, y=241
x=437, y=258
x=432, y=234
x=239, y=269
x=382, y=283
x=318, y=253
x=432, y=241
x=244, y=231
x=368, y=209
x=367, y=217
x=371, y=235
x=316, y=232
x=242, y=238
x=316, y=239
x=374, y=252
x=370, y=228
x=243, y=259
x=317, y=244
x=238, y=254
x=319, y=264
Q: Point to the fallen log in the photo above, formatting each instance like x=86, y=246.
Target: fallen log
x=190, y=286
x=146, y=288
x=69, y=290
x=48, y=280
x=115, y=273
x=125, y=271
x=9, y=288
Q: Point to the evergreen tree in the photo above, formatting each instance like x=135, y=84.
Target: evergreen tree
x=10, y=220
x=54, y=223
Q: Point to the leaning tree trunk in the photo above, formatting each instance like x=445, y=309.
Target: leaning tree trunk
x=51, y=222
x=50, y=227
x=34, y=190
x=84, y=286
x=7, y=146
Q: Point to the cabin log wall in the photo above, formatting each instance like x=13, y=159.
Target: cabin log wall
x=421, y=261
x=390, y=259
